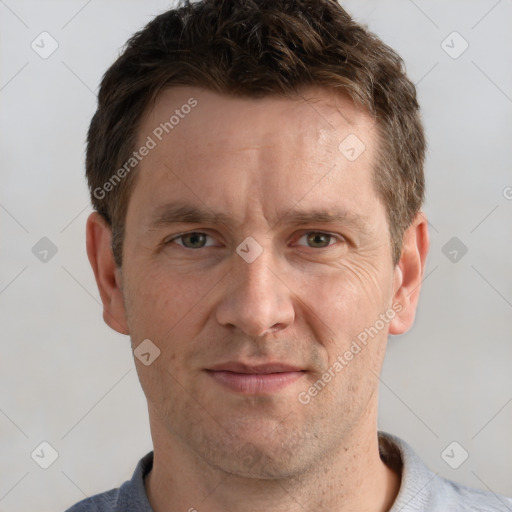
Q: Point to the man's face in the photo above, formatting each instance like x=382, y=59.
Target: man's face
x=245, y=335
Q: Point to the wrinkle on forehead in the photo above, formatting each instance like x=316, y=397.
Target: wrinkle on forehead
x=256, y=158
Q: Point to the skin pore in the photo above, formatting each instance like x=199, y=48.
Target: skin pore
x=270, y=169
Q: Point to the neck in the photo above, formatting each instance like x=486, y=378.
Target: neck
x=351, y=477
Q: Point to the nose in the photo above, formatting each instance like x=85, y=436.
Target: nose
x=257, y=300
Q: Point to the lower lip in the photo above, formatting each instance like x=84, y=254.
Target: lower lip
x=254, y=384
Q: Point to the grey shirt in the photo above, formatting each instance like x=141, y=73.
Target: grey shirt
x=420, y=490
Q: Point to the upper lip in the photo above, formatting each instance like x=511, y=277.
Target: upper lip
x=262, y=369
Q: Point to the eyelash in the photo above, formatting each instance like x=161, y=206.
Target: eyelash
x=339, y=238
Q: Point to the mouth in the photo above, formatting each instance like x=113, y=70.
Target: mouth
x=255, y=379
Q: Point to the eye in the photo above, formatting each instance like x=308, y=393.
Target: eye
x=318, y=239
x=193, y=240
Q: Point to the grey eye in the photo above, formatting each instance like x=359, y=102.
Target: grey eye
x=317, y=239
x=193, y=240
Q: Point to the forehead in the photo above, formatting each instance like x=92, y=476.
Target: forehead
x=315, y=112
x=223, y=151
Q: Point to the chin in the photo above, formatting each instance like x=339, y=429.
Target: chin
x=282, y=456
x=257, y=464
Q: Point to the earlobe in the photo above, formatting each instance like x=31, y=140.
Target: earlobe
x=108, y=276
x=409, y=274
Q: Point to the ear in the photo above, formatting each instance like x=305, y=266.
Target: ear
x=107, y=274
x=409, y=274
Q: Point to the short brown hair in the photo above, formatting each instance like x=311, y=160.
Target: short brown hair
x=256, y=48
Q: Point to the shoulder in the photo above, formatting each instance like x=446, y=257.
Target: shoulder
x=130, y=497
x=422, y=490
x=457, y=497
x=104, y=502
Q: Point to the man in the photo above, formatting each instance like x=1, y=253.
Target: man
x=257, y=174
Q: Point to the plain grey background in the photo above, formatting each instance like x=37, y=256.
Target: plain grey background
x=68, y=380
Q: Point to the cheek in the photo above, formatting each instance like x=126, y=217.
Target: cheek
x=169, y=312
x=348, y=298
x=172, y=310
x=160, y=301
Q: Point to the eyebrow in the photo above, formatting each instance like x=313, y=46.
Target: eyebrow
x=300, y=216
x=188, y=214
